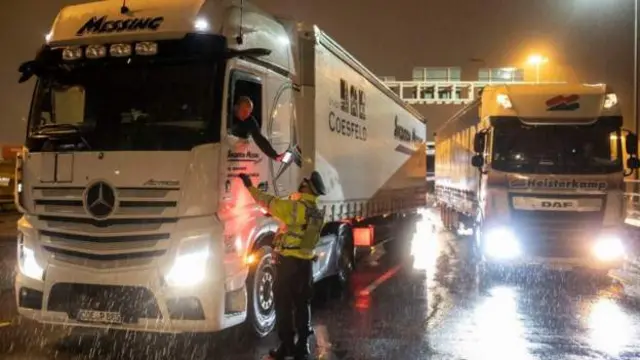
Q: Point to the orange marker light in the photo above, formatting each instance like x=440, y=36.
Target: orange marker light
x=363, y=236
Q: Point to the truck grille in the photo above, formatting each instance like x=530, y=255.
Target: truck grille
x=137, y=231
x=557, y=233
x=132, y=202
x=133, y=303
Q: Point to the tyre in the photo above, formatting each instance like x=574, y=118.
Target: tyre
x=345, y=255
x=261, y=315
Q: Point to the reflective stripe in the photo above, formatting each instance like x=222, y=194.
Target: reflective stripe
x=299, y=254
x=291, y=240
x=299, y=236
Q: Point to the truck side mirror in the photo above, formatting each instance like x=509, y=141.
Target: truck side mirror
x=631, y=143
x=633, y=163
x=478, y=142
x=27, y=70
x=478, y=161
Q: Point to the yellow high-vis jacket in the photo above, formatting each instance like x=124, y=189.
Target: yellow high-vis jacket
x=302, y=219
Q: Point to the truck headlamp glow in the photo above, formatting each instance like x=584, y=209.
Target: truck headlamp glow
x=501, y=243
x=610, y=100
x=27, y=262
x=201, y=24
x=120, y=50
x=608, y=248
x=96, y=51
x=147, y=48
x=72, y=53
x=504, y=101
x=190, y=266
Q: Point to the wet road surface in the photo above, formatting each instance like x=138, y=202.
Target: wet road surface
x=383, y=315
x=425, y=306
x=532, y=315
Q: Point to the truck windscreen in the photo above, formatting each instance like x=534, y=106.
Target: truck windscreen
x=556, y=149
x=129, y=106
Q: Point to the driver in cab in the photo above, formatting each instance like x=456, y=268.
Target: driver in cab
x=245, y=125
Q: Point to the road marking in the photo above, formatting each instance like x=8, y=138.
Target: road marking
x=3, y=324
x=377, y=282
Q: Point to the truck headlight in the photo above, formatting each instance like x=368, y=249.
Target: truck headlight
x=608, y=248
x=501, y=243
x=190, y=265
x=27, y=262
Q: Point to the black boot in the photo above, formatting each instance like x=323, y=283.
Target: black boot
x=302, y=350
x=283, y=352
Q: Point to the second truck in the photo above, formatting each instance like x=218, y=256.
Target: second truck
x=133, y=216
x=537, y=171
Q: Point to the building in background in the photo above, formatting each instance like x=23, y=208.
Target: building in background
x=437, y=73
x=504, y=74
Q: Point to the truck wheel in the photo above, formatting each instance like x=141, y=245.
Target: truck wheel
x=345, y=255
x=261, y=309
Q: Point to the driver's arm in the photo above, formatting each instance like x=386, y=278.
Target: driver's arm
x=285, y=210
x=261, y=140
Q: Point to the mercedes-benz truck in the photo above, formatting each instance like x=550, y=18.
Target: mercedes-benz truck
x=133, y=215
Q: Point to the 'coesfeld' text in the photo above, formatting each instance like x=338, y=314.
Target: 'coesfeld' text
x=347, y=127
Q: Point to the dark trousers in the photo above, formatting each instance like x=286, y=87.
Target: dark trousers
x=293, y=292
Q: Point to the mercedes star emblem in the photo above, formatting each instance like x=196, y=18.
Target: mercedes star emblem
x=100, y=200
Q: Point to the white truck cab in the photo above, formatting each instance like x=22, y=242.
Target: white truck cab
x=133, y=216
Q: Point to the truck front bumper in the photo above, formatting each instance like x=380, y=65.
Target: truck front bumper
x=138, y=297
x=599, y=251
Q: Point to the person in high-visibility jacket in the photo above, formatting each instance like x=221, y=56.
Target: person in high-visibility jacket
x=295, y=245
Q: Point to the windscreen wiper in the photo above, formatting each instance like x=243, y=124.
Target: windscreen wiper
x=54, y=129
x=48, y=131
x=252, y=53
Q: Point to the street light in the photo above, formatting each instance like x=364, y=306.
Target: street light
x=537, y=60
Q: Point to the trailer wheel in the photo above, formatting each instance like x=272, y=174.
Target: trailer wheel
x=261, y=309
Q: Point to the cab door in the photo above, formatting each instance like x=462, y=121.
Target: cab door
x=282, y=134
x=239, y=152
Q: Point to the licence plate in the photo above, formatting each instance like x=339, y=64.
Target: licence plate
x=99, y=316
x=4, y=182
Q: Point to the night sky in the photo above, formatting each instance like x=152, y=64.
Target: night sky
x=585, y=40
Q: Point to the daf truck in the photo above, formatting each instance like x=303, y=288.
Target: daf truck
x=133, y=215
x=535, y=172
